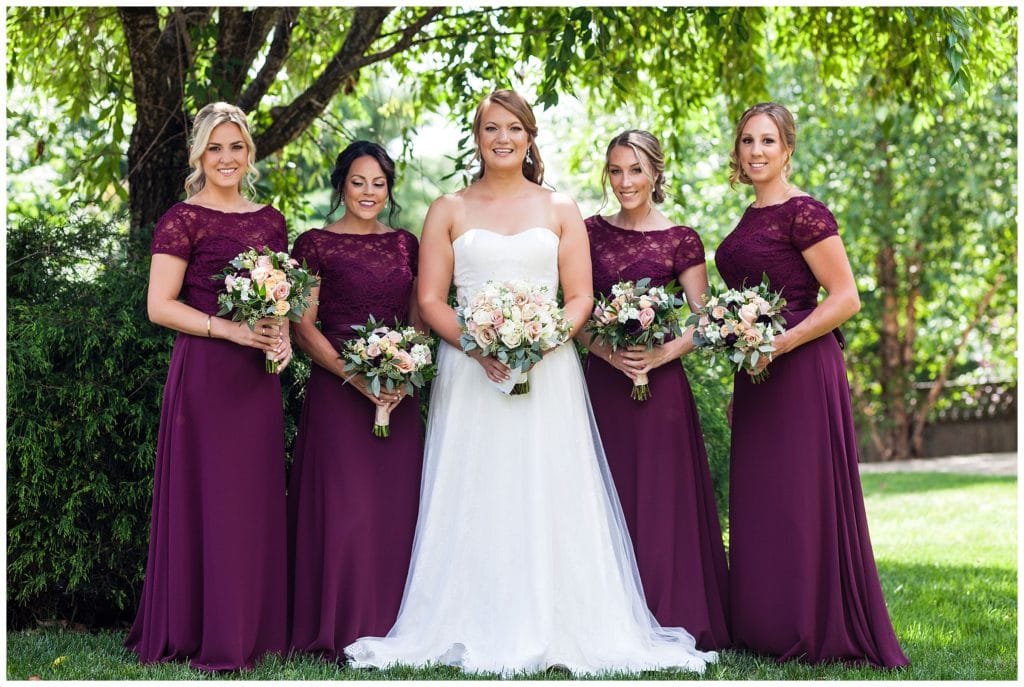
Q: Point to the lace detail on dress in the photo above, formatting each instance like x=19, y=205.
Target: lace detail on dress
x=208, y=239
x=360, y=274
x=770, y=240
x=618, y=254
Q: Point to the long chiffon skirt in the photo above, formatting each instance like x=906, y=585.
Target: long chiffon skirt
x=352, y=503
x=803, y=582
x=215, y=589
x=655, y=451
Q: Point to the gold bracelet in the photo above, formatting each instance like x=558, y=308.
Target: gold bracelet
x=208, y=320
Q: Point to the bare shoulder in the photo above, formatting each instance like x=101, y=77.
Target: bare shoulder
x=564, y=208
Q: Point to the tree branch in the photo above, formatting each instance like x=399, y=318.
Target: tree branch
x=408, y=36
x=275, y=59
x=292, y=120
x=240, y=36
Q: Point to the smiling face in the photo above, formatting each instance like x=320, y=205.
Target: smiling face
x=502, y=139
x=366, y=188
x=629, y=181
x=226, y=156
x=762, y=153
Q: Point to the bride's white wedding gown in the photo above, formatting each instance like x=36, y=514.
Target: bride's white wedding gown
x=521, y=559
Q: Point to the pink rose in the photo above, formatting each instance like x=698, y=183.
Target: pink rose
x=718, y=312
x=471, y=326
x=533, y=330
x=497, y=319
x=229, y=282
x=373, y=350
x=521, y=298
x=259, y=274
x=265, y=262
x=404, y=362
x=282, y=290
x=646, y=317
x=395, y=336
x=748, y=313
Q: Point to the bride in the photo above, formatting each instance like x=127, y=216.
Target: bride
x=521, y=559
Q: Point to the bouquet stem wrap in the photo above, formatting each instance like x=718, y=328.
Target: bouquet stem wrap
x=382, y=422
x=522, y=385
x=272, y=364
x=641, y=389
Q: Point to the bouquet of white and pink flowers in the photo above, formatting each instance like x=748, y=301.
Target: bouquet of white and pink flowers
x=741, y=322
x=513, y=321
x=399, y=356
x=637, y=315
x=260, y=284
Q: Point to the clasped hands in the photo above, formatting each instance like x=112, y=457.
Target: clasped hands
x=269, y=335
x=634, y=361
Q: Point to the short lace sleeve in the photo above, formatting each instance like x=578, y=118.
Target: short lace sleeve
x=305, y=249
x=689, y=252
x=172, y=234
x=812, y=222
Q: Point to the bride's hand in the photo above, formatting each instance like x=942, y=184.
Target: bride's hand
x=495, y=370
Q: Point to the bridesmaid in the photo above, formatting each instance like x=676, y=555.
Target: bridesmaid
x=655, y=449
x=215, y=589
x=352, y=497
x=803, y=582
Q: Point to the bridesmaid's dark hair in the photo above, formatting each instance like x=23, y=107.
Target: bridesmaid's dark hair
x=652, y=161
x=783, y=119
x=533, y=166
x=354, y=151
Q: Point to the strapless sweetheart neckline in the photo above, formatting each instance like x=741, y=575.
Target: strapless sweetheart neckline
x=507, y=236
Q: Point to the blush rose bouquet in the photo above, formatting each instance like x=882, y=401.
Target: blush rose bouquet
x=515, y=322
x=742, y=323
x=265, y=283
x=636, y=314
x=390, y=358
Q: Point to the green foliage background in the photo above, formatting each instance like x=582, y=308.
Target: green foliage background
x=922, y=98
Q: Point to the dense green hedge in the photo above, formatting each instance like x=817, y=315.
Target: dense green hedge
x=85, y=376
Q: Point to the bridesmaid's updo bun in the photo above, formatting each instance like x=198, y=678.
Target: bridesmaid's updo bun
x=783, y=119
x=351, y=153
x=648, y=152
x=208, y=119
x=533, y=166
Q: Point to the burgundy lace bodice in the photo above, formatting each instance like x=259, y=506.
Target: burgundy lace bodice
x=770, y=240
x=360, y=275
x=208, y=239
x=618, y=254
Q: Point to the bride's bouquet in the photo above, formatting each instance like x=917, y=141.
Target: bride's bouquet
x=265, y=283
x=390, y=358
x=741, y=322
x=636, y=315
x=513, y=321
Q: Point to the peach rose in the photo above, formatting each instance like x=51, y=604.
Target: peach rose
x=485, y=336
x=282, y=290
x=281, y=308
x=404, y=362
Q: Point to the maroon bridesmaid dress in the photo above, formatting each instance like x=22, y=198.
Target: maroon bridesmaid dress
x=803, y=582
x=215, y=590
x=352, y=497
x=655, y=449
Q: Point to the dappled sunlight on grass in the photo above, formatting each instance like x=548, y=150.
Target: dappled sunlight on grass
x=946, y=548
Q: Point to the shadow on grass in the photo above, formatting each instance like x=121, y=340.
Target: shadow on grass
x=892, y=483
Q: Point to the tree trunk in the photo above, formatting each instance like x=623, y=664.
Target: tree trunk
x=892, y=370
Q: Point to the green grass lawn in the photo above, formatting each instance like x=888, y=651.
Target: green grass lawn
x=946, y=547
